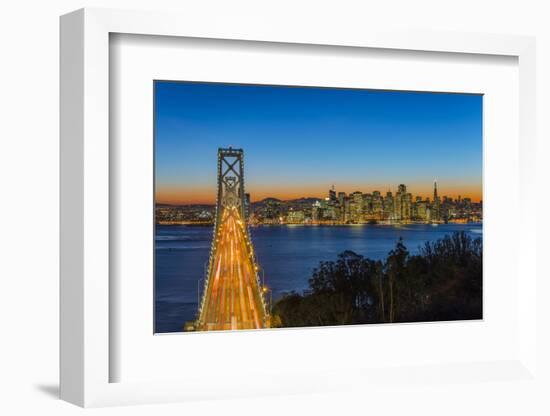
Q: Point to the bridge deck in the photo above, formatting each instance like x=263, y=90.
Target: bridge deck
x=233, y=299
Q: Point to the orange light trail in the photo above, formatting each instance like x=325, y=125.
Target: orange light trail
x=233, y=299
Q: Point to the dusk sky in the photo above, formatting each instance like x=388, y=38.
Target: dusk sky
x=300, y=141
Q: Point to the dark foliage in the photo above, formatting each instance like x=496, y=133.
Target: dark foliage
x=443, y=282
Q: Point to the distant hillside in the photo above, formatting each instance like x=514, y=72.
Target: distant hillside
x=267, y=200
x=308, y=200
x=297, y=201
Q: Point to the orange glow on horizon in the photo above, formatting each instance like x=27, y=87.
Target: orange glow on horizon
x=207, y=195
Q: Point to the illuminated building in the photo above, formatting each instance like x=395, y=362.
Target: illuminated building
x=436, y=205
x=316, y=212
x=377, y=206
x=388, y=206
x=356, y=207
x=295, y=217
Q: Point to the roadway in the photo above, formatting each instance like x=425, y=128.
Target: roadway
x=233, y=299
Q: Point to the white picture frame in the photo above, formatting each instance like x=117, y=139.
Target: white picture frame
x=86, y=355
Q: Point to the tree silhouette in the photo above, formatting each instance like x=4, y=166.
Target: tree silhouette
x=442, y=282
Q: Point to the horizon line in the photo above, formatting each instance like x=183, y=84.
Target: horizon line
x=213, y=202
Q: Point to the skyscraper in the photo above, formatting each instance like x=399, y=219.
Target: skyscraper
x=316, y=212
x=436, y=204
x=342, y=206
x=356, y=207
x=377, y=206
x=332, y=194
x=367, y=206
x=399, y=202
x=388, y=206
x=341, y=198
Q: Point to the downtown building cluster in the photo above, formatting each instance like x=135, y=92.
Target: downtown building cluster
x=361, y=208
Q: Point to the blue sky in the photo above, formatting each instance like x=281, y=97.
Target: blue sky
x=299, y=141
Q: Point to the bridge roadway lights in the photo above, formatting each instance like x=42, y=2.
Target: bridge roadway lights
x=232, y=296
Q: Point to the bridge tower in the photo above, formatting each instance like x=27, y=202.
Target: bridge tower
x=233, y=296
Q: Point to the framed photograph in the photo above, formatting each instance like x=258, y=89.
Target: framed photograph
x=302, y=245
x=270, y=205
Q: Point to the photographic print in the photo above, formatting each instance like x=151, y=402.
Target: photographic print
x=290, y=206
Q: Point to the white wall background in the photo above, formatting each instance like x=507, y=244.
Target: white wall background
x=29, y=115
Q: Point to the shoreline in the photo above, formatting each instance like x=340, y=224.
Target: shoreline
x=385, y=224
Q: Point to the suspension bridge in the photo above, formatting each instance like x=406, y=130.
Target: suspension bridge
x=233, y=295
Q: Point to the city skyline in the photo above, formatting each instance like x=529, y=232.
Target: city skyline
x=323, y=195
x=299, y=142
x=338, y=208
